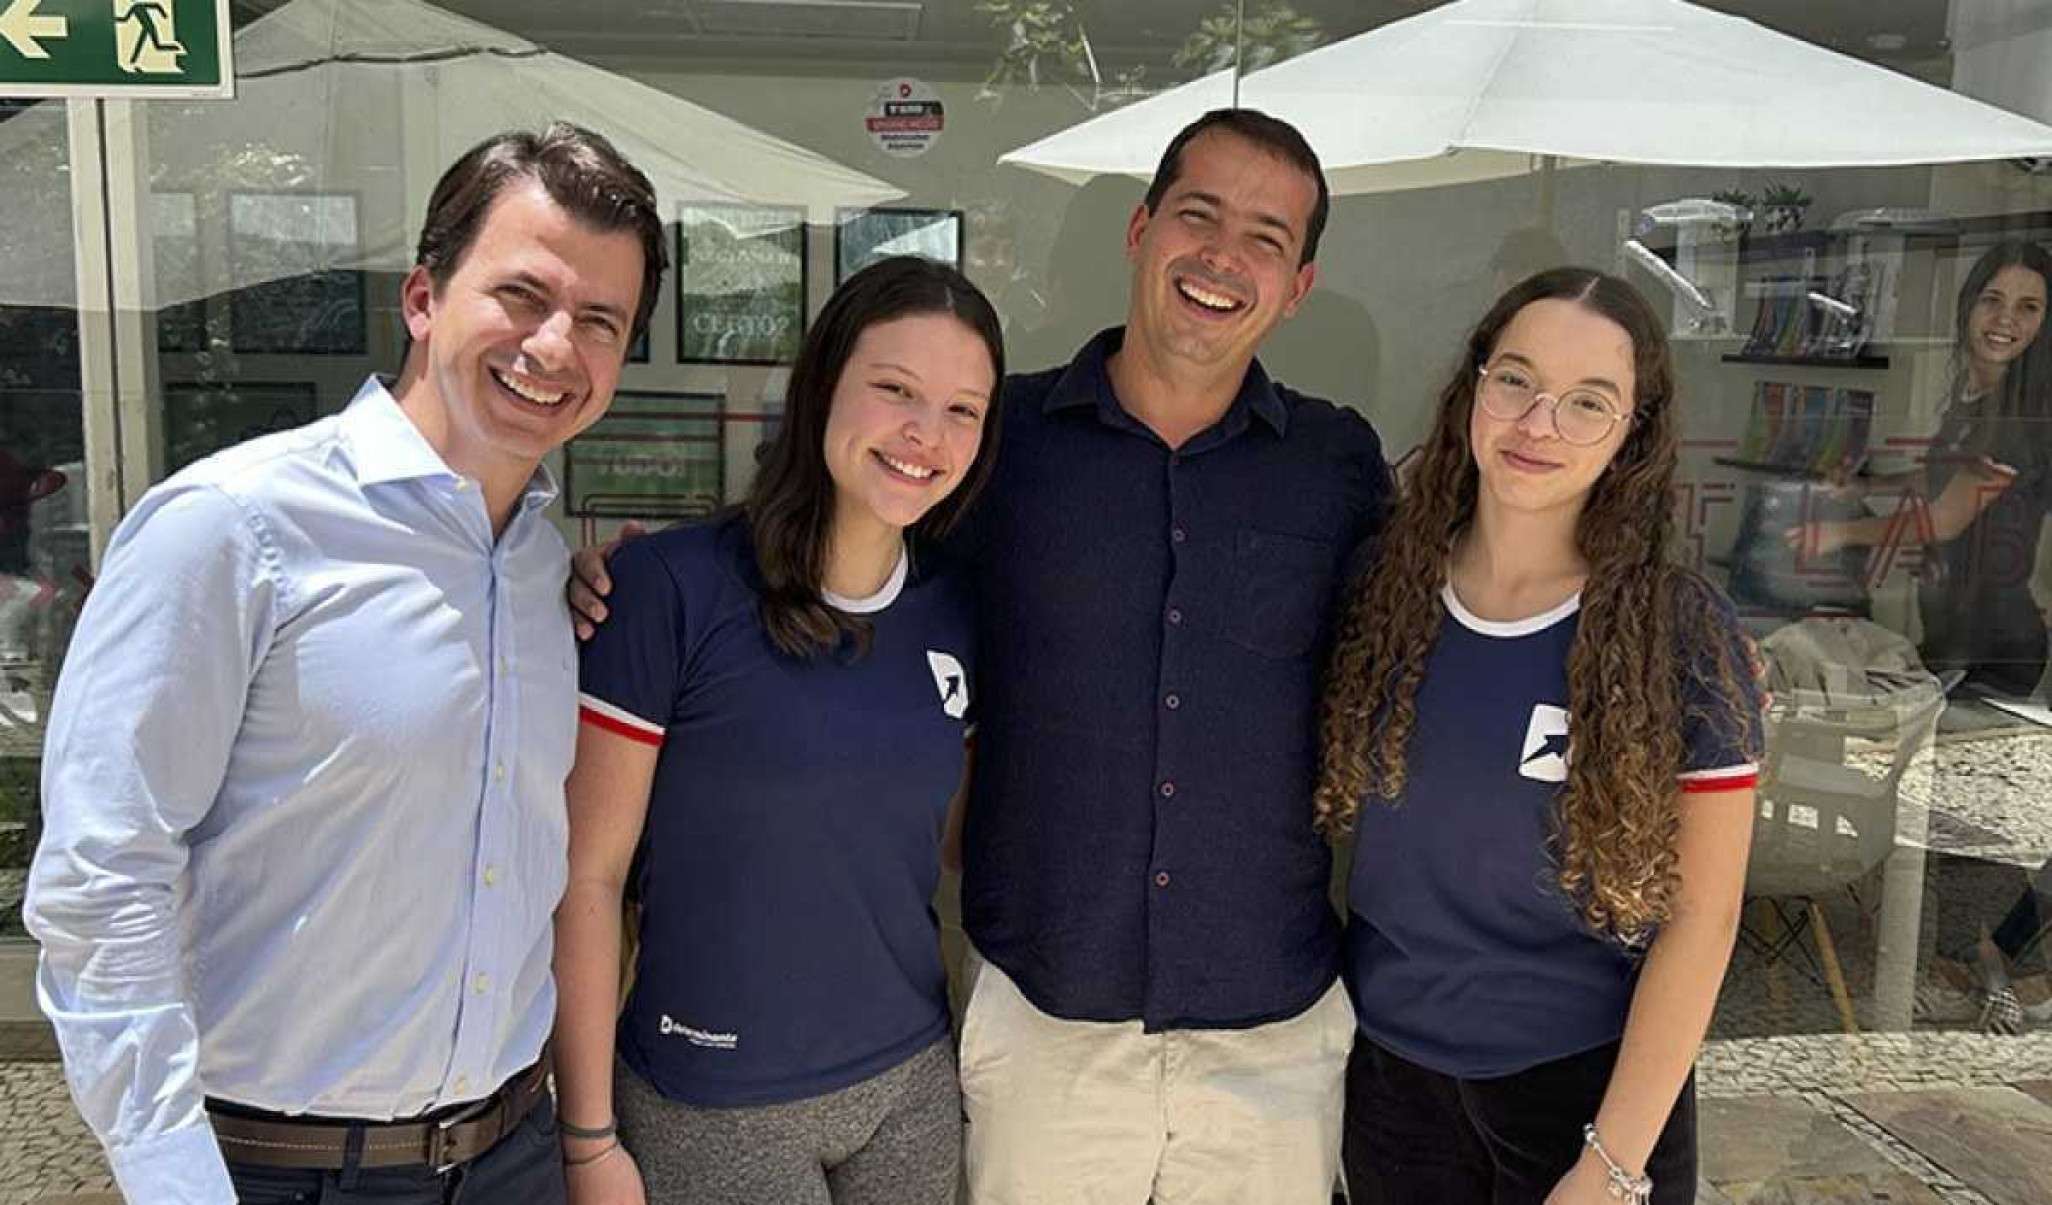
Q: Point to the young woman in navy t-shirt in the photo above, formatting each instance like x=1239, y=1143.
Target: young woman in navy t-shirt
x=775, y=717
x=1559, y=728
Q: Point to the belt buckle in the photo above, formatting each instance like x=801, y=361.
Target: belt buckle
x=439, y=1144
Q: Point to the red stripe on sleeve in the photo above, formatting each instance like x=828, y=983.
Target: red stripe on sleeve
x=599, y=719
x=1744, y=781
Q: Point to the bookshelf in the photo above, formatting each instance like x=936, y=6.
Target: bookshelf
x=1866, y=360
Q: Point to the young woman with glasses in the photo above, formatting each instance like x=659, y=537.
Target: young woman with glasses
x=1545, y=734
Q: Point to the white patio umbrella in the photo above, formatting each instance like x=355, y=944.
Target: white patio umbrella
x=1480, y=89
x=376, y=97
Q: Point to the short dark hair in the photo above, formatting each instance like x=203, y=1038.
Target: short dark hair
x=790, y=504
x=1272, y=134
x=580, y=170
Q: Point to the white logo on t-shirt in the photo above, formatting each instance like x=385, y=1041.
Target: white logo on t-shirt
x=698, y=1037
x=1546, y=744
x=952, y=681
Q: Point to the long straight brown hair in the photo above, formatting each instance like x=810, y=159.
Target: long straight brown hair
x=790, y=506
x=1644, y=624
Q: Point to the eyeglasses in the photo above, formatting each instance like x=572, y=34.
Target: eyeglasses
x=1581, y=416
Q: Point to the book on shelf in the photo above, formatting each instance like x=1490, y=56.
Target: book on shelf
x=1814, y=318
x=1807, y=430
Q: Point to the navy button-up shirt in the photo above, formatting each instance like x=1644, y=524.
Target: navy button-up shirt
x=1153, y=627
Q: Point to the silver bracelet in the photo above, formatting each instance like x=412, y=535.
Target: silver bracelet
x=1622, y=1185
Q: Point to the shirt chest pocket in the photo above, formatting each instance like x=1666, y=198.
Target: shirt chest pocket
x=1282, y=585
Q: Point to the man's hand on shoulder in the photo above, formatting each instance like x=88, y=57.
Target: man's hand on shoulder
x=589, y=583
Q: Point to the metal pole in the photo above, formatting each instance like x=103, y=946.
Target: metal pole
x=99, y=375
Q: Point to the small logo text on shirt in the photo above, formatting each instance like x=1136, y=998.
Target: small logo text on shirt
x=698, y=1037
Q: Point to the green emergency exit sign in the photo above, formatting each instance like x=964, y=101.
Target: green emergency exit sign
x=131, y=48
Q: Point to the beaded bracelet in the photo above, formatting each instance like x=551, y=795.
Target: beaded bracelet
x=1621, y=1184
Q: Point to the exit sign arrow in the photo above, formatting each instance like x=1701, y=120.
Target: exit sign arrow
x=22, y=26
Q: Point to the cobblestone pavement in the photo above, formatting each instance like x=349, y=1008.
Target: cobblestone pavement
x=48, y=1158
x=45, y=1150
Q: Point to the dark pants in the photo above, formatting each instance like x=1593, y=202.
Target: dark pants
x=2027, y=919
x=526, y=1167
x=1416, y=1137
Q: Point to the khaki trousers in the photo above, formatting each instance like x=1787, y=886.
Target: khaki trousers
x=1100, y=1113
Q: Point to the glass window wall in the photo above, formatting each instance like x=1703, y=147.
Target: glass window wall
x=1866, y=470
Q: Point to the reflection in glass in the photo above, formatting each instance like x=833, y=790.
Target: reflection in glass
x=296, y=244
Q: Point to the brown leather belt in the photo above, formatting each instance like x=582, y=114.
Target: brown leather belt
x=439, y=1143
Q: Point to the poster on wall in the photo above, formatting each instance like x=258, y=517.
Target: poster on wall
x=740, y=284
x=653, y=456
x=863, y=236
x=201, y=418
x=291, y=243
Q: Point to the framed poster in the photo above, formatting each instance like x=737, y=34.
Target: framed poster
x=740, y=284
x=296, y=301
x=201, y=419
x=653, y=456
x=174, y=244
x=863, y=236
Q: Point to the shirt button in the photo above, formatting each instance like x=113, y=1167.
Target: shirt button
x=1161, y=878
x=1177, y=534
x=462, y=1083
x=491, y=876
x=499, y=772
x=481, y=984
x=1173, y=702
x=502, y=663
x=1168, y=789
x=462, y=484
x=1175, y=615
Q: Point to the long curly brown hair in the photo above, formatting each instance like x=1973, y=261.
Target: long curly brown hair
x=1645, y=624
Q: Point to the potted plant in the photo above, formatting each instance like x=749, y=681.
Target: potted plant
x=1782, y=206
x=1742, y=221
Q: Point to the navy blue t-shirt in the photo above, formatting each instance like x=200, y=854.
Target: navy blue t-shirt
x=1464, y=955
x=792, y=847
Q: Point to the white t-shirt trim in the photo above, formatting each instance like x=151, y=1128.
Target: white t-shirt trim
x=1507, y=628
x=892, y=587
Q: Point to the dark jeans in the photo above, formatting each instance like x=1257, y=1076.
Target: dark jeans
x=1416, y=1137
x=525, y=1168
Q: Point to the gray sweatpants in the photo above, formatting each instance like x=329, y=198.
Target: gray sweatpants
x=892, y=1139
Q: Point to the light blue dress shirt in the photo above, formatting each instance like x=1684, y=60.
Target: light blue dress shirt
x=303, y=794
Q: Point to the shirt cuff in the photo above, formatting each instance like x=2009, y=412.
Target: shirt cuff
x=179, y=1167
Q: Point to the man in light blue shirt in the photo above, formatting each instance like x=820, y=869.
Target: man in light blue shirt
x=303, y=785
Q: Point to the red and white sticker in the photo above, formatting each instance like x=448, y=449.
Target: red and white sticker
x=905, y=118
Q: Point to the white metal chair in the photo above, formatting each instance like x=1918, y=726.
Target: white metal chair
x=1823, y=825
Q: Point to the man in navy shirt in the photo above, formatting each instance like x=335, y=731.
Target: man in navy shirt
x=1155, y=1011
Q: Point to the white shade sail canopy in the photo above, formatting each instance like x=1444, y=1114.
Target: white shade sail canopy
x=1480, y=89
x=375, y=98
x=473, y=80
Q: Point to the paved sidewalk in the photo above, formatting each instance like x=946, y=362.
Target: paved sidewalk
x=1973, y=1144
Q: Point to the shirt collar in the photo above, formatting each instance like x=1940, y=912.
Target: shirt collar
x=386, y=446
x=1087, y=381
